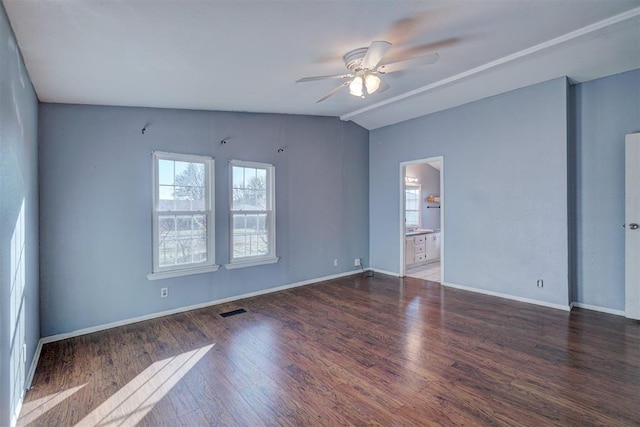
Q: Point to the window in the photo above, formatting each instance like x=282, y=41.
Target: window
x=183, y=227
x=412, y=212
x=253, y=222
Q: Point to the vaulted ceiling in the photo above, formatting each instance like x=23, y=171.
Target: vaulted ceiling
x=247, y=55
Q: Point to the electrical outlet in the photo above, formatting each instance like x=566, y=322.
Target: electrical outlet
x=540, y=283
x=357, y=262
x=164, y=292
x=335, y=262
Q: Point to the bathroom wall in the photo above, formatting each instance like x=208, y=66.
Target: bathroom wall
x=429, y=179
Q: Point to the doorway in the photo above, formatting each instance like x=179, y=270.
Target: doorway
x=422, y=219
x=632, y=229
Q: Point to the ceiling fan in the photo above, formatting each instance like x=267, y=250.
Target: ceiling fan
x=365, y=68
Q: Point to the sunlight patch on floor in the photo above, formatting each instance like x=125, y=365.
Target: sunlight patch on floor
x=129, y=405
x=34, y=409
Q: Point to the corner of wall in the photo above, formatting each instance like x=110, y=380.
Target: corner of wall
x=572, y=214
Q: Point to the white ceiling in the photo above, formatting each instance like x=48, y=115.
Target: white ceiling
x=246, y=55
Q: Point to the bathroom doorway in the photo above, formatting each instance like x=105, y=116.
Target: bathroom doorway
x=422, y=219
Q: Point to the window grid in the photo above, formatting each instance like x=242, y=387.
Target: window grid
x=251, y=213
x=183, y=208
x=412, y=210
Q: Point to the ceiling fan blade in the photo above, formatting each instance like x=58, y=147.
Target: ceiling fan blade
x=331, y=76
x=408, y=63
x=374, y=54
x=333, y=92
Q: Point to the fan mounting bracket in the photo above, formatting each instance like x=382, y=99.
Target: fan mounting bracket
x=353, y=59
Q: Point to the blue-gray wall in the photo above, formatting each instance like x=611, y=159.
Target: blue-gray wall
x=18, y=185
x=95, y=184
x=605, y=111
x=505, y=178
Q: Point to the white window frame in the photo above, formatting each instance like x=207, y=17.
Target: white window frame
x=419, y=210
x=194, y=268
x=271, y=257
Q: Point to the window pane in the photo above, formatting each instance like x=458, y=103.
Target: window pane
x=167, y=253
x=182, y=186
x=165, y=172
x=249, y=176
x=166, y=202
x=260, y=197
x=182, y=239
x=200, y=250
x=239, y=200
x=261, y=174
x=250, y=232
x=249, y=188
x=181, y=168
x=412, y=218
x=167, y=226
x=250, y=237
x=411, y=205
x=237, y=177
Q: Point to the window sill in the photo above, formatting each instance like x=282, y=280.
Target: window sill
x=251, y=263
x=182, y=272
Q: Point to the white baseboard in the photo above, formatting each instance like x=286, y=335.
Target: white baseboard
x=598, y=308
x=34, y=364
x=507, y=296
x=97, y=328
x=388, y=273
x=14, y=417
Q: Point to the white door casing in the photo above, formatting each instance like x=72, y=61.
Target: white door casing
x=632, y=226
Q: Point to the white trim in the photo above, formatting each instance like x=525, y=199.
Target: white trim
x=209, y=213
x=14, y=417
x=597, y=308
x=270, y=211
x=631, y=212
x=442, y=202
x=388, y=273
x=630, y=14
x=34, y=365
x=251, y=263
x=507, y=296
x=182, y=272
x=97, y=328
x=403, y=172
x=402, y=233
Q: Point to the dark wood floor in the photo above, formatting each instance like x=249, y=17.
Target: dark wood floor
x=353, y=351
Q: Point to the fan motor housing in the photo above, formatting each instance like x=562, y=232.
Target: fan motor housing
x=353, y=59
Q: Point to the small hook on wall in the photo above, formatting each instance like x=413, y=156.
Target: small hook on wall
x=280, y=150
x=223, y=141
x=144, y=129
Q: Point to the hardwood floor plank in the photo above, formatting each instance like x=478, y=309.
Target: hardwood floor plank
x=349, y=351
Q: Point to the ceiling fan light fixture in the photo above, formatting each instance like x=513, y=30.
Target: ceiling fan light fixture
x=372, y=83
x=356, y=87
x=364, y=65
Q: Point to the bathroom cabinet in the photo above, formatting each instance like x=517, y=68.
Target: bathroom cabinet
x=422, y=248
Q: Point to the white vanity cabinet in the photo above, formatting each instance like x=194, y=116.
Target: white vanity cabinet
x=432, y=247
x=409, y=249
x=421, y=248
